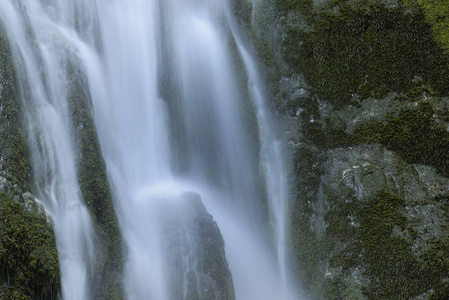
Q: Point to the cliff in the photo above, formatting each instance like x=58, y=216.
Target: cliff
x=363, y=87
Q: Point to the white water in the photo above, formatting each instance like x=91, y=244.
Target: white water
x=54, y=158
x=272, y=157
x=171, y=119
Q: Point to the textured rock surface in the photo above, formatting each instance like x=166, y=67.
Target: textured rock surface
x=195, y=247
x=366, y=84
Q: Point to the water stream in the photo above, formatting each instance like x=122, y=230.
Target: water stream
x=180, y=110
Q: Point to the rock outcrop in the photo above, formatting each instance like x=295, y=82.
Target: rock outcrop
x=196, y=254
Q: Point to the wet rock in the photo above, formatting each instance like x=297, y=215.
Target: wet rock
x=196, y=253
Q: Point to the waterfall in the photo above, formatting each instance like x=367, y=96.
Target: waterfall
x=186, y=136
x=272, y=157
x=43, y=93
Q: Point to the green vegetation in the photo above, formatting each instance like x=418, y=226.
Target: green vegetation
x=14, y=163
x=413, y=133
x=344, y=52
x=391, y=266
x=96, y=194
x=303, y=6
x=29, y=267
x=365, y=48
x=437, y=15
x=384, y=257
x=242, y=10
x=308, y=243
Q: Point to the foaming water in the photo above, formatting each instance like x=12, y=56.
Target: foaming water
x=175, y=123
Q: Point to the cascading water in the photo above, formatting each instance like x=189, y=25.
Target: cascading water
x=52, y=149
x=182, y=121
x=272, y=157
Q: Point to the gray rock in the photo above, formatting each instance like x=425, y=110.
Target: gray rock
x=196, y=254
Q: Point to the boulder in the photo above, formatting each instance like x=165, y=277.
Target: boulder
x=197, y=263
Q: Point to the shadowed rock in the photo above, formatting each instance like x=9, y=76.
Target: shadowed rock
x=195, y=251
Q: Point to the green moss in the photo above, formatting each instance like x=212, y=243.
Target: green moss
x=367, y=49
x=96, y=193
x=242, y=10
x=361, y=235
x=437, y=15
x=391, y=265
x=286, y=6
x=29, y=267
x=14, y=163
x=414, y=134
x=394, y=270
x=308, y=245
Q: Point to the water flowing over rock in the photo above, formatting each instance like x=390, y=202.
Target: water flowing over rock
x=127, y=105
x=191, y=229
x=29, y=265
x=224, y=149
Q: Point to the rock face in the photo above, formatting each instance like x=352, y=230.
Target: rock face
x=385, y=224
x=365, y=84
x=197, y=262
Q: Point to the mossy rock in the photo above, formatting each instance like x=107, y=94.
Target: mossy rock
x=384, y=221
x=14, y=162
x=94, y=185
x=366, y=48
x=28, y=256
x=375, y=74
x=414, y=133
x=29, y=266
x=242, y=10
